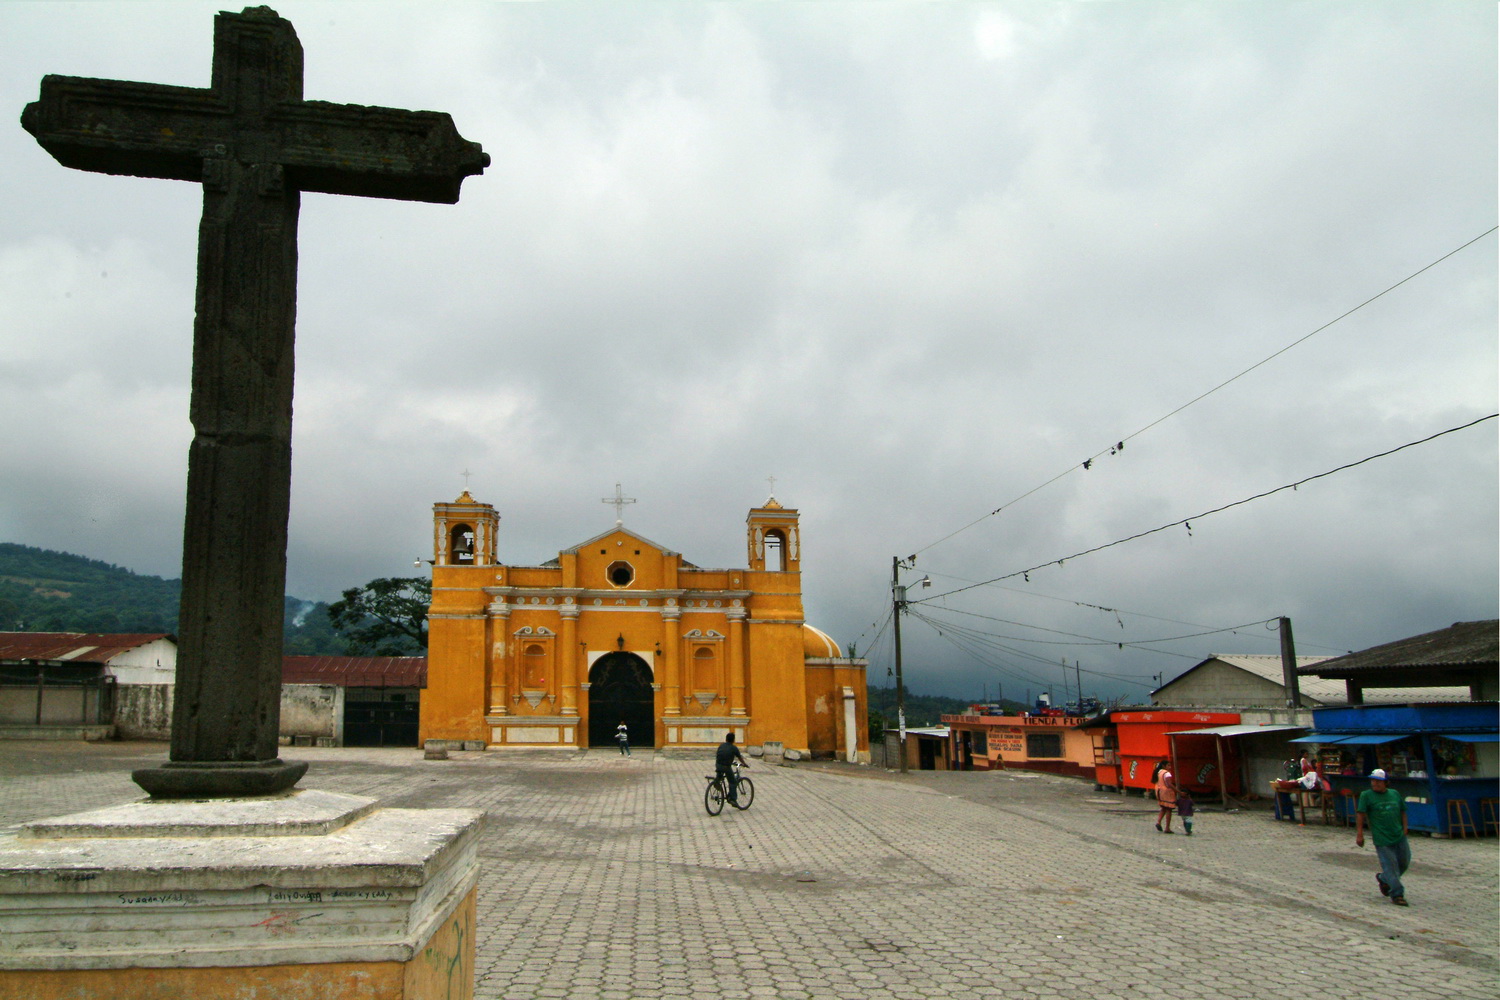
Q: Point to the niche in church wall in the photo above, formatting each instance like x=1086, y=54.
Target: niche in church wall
x=706, y=669
x=534, y=666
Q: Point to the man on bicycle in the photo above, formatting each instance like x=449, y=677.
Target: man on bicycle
x=724, y=759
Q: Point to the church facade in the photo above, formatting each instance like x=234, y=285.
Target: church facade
x=620, y=629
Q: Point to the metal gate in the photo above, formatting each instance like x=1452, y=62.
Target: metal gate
x=381, y=717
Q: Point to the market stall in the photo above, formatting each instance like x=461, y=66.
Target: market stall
x=1434, y=755
x=1217, y=753
x=1140, y=742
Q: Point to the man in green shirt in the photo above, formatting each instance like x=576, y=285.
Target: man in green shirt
x=1385, y=810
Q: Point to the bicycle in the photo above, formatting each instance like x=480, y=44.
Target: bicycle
x=715, y=794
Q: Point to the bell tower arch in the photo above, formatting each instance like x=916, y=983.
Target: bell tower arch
x=774, y=538
x=463, y=532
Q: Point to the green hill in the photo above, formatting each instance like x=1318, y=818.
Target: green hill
x=921, y=709
x=46, y=591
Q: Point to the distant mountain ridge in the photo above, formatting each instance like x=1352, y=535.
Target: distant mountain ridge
x=921, y=709
x=46, y=591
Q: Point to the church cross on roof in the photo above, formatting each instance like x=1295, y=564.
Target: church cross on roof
x=618, y=501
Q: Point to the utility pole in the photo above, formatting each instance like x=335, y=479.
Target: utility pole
x=1289, y=665
x=898, y=606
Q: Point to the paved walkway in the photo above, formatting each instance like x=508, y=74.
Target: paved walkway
x=605, y=879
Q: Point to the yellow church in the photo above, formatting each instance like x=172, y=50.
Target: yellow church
x=619, y=629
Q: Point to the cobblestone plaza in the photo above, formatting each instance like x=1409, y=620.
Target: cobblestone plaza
x=604, y=878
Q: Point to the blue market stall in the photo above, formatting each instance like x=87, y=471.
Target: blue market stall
x=1434, y=754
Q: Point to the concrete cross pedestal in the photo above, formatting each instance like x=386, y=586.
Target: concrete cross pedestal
x=306, y=895
x=255, y=145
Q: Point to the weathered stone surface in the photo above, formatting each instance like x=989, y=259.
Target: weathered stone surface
x=254, y=144
x=204, y=884
x=303, y=813
x=187, y=779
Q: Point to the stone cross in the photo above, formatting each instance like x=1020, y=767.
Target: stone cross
x=255, y=145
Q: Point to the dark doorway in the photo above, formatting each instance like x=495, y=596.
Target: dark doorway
x=926, y=754
x=620, y=690
x=381, y=717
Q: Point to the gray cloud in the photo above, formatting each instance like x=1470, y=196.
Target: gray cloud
x=912, y=259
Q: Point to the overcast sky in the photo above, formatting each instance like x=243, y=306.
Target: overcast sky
x=913, y=260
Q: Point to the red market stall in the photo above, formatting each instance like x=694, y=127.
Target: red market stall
x=1141, y=742
x=1219, y=745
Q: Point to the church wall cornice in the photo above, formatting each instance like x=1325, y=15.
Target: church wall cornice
x=684, y=597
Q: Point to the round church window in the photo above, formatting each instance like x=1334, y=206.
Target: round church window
x=620, y=573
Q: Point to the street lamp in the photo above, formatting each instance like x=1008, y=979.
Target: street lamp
x=898, y=608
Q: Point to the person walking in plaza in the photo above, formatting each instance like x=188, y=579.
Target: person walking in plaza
x=724, y=759
x=1185, y=809
x=1384, y=809
x=623, y=735
x=1166, y=796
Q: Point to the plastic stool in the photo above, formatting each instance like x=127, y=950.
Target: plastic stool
x=1460, y=819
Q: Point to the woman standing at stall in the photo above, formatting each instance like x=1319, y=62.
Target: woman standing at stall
x=1166, y=796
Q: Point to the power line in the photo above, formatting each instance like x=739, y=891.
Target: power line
x=935, y=622
x=1117, y=612
x=1095, y=640
x=953, y=633
x=879, y=627
x=1119, y=445
x=966, y=643
x=1187, y=521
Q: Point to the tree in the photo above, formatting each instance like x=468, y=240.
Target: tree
x=385, y=617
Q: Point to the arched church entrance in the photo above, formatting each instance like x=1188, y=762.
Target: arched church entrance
x=620, y=690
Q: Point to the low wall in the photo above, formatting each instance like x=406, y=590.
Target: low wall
x=143, y=711
x=314, y=712
x=63, y=732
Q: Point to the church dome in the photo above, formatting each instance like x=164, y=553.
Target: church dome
x=817, y=643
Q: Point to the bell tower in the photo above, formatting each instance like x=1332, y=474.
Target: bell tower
x=774, y=539
x=463, y=532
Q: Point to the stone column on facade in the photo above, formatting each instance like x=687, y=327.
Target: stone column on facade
x=671, y=647
x=567, y=657
x=499, y=658
x=736, y=616
x=851, y=726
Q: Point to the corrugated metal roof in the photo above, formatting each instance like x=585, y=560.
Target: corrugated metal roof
x=355, y=671
x=1462, y=644
x=1240, y=730
x=1330, y=690
x=78, y=647
x=1269, y=668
